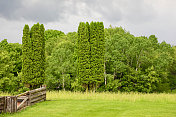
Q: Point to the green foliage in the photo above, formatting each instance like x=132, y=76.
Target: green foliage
x=10, y=66
x=112, y=85
x=52, y=37
x=82, y=60
x=27, y=55
x=33, y=69
x=97, y=46
x=52, y=34
x=60, y=66
x=90, y=53
x=83, y=54
x=139, y=63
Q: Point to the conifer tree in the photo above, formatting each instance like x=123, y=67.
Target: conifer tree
x=101, y=52
x=93, y=41
x=26, y=55
x=43, y=58
x=35, y=50
x=91, y=48
x=83, y=54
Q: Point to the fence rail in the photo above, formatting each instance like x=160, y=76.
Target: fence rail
x=13, y=104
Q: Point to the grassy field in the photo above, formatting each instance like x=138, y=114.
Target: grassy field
x=70, y=104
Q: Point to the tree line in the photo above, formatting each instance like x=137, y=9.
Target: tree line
x=130, y=63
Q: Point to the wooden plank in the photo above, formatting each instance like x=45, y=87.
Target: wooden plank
x=37, y=101
x=2, y=97
x=22, y=103
x=38, y=98
x=1, y=107
x=29, y=99
x=25, y=93
x=11, y=104
x=5, y=104
x=22, y=97
x=38, y=94
x=15, y=104
x=22, y=107
x=45, y=97
x=37, y=90
x=2, y=103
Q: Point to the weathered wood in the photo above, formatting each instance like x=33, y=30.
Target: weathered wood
x=5, y=104
x=37, y=101
x=22, y=94
x=1, y=108
x=38, y=94
x=21, y=98
x=29, y=99
x=38, y=98
x=14, y=104
x=22, y=103
x=22, y=107
x=11, y=104
x=1, y=103
x=1, y=97
x=37, y=90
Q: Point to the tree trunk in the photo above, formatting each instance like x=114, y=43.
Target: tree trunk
x=105, y=73
x=114, y=74
x=138, y=62
x=137, y=65
x=63, y=82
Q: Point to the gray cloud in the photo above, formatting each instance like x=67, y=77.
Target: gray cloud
x=56, y=10
x=8, y=8
x=134, y=11
x=33, y=10
x=105, y=8
x=141, y=17
x=138, y=11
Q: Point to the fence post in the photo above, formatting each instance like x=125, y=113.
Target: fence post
x=5, y=105
x=2, y=104
x=15, y=104
x=45, y=94
x=29, y=98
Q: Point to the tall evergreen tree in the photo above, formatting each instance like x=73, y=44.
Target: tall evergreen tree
x=43, y=58
x=26, y=55
x=91, y=54
x=101, y=52
x=83, y=51
x=97, y=52
x=35, y=51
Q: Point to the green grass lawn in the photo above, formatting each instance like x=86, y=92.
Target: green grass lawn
x=68, y=104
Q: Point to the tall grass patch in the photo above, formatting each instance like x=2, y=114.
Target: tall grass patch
x=133, y=96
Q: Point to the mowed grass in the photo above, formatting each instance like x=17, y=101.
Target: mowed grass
x=77, y=104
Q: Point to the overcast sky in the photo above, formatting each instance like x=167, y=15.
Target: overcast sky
x=139, y=17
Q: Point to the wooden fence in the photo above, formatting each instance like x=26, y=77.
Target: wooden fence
x=13, y=104
x=2, y=104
